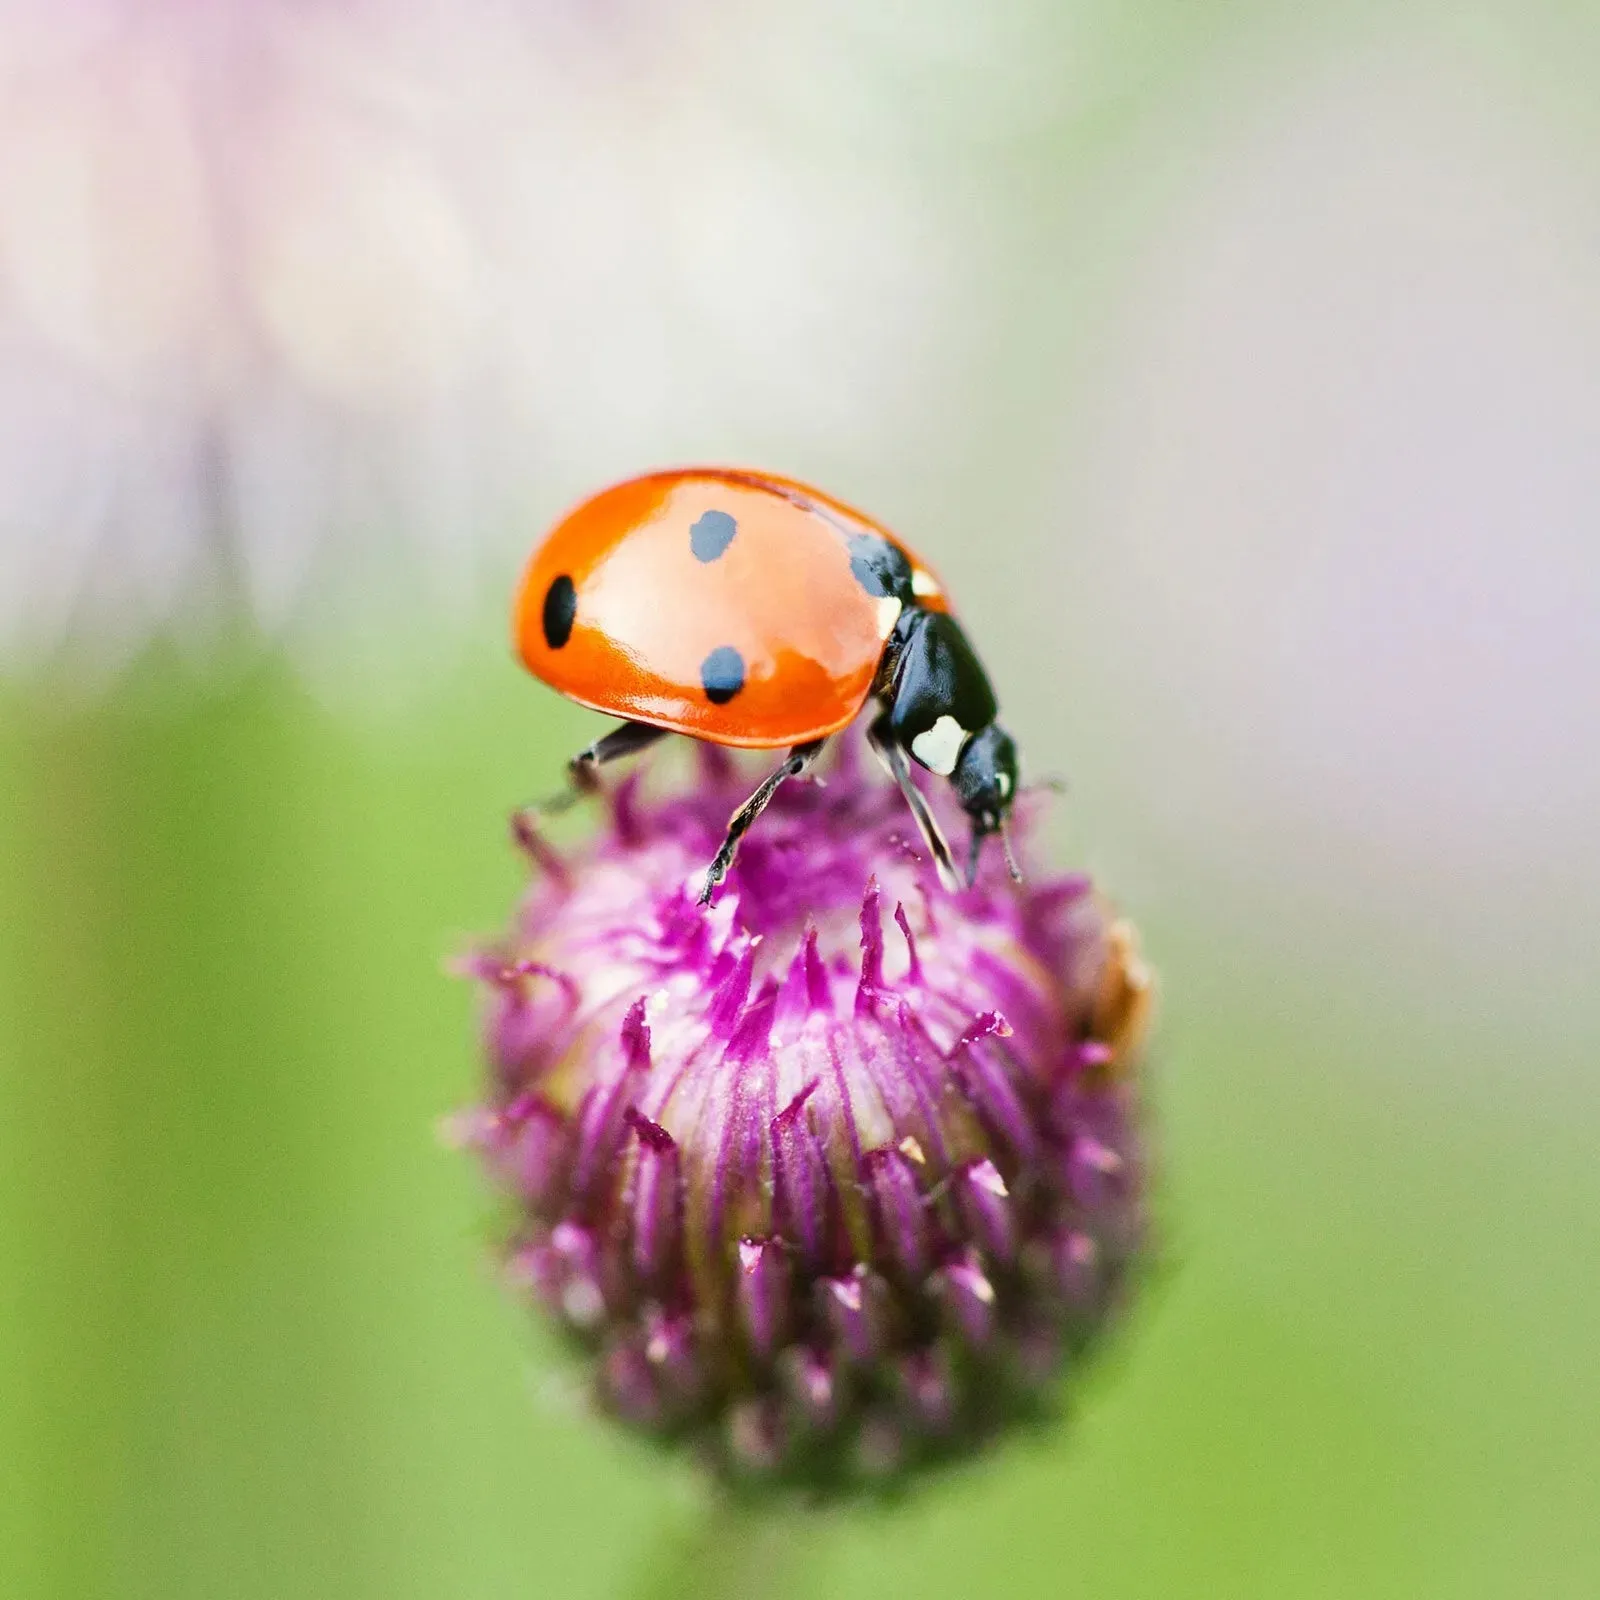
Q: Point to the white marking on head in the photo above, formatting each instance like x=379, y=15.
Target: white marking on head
x=939, y=748
x=923, y=583
x=888, y=614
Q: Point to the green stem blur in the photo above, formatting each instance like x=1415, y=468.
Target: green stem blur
x=729, y=1550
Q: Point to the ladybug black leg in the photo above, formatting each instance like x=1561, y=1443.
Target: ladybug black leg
x=881, y=737
x=800, y=759
x=583, y=770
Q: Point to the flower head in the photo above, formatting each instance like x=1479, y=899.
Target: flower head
x=831, y=1178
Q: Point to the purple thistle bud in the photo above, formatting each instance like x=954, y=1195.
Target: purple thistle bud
x=827, y=1179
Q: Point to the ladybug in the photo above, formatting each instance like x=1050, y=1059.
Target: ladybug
x=751, y=611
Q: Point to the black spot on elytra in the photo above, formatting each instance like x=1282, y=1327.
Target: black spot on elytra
x=711, y=535
x=722, y=674
x=880, y=568
x=560, y=607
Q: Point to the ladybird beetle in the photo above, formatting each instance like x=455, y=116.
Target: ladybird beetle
x=752, y=611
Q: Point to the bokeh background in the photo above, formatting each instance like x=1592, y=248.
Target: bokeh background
x=1238, y=363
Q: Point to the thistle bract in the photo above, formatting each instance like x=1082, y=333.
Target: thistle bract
x=831, y=1180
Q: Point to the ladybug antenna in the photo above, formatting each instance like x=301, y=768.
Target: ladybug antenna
x=1011, y=859
x=979, y=834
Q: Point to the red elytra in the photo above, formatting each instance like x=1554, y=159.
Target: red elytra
x=674, y=569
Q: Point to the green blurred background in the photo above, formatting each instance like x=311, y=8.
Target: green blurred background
x=1236, y=364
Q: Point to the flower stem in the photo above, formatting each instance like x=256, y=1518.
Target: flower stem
x=729, y=1548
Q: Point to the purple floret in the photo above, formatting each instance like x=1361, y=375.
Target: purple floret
x=830, y=1179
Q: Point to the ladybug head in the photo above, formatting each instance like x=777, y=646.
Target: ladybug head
x=986, y=780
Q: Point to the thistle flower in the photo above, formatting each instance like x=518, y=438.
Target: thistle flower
x=831, y=1180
